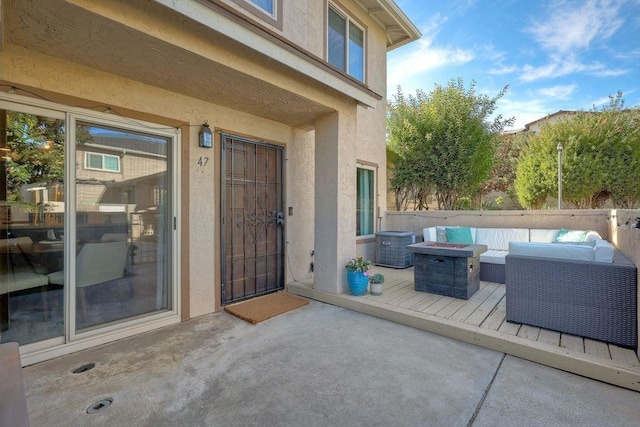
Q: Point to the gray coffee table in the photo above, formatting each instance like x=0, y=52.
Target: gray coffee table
x=447, y=268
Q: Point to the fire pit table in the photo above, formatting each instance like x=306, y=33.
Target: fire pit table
x=447, y=268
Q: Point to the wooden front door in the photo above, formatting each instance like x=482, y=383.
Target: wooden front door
x=253, y=219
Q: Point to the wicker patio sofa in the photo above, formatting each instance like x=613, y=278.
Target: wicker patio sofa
x=497, y=240
x=585, y=298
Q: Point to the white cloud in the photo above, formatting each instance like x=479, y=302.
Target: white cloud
x=524, y=111
x=559, y=91
x=614, y=72
x=568, y=28
x=605, y=99
x=600, y=102
x=573, y=25
x=423, y=55
x=634, y=54
x=504, y=69
x=562, y=65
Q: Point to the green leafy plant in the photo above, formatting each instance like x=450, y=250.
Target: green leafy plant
x=376, y=278
x=359, y=264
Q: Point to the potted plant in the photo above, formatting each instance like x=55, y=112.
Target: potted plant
x=375, y=284
x=358, y=271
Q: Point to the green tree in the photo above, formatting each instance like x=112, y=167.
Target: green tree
x=534, y=175
x=505, y=165
x=601, y=158
x=444, y=141
x=37, y=149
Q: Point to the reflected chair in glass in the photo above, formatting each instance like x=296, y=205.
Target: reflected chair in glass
x=18, y=273
x=96, y=263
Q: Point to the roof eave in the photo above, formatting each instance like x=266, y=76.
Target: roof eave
x=400, y=29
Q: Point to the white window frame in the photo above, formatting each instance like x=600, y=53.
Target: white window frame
x=348, y=22
x=374, y=201
x=104, y=156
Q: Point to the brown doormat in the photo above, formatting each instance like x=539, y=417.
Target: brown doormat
x=262, y=308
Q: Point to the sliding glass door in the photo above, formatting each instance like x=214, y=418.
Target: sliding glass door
x=87, y=216
x=122, y=224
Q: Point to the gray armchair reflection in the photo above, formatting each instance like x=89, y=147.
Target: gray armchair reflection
x=96, y=263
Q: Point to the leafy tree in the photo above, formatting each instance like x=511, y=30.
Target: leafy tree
x=601, y=158
x=37, y=149
x=503, y=173
x=444, y=141
x=534, y=176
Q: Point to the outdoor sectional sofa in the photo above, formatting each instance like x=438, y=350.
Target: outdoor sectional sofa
x=585, y=288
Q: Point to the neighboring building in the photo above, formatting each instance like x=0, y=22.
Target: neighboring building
x=551, y=118
x=294, y=93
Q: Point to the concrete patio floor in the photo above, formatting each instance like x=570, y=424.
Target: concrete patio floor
x=319, y=365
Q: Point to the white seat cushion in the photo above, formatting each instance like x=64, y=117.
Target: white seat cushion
x=603, y=251
x=553, y=250
x=499, y=238
x=542, y=235
x=429, y=234
x=493, y=256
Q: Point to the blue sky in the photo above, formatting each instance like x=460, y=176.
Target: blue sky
x=554, y=55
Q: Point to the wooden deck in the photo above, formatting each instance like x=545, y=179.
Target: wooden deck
x=481, y=320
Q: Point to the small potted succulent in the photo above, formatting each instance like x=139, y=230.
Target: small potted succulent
x=375, y=284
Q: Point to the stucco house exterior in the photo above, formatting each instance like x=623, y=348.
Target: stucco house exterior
x=103, y=105
x=534, y=126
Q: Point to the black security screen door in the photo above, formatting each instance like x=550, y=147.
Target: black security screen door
x=253, y=221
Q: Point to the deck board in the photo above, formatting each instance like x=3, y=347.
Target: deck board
x=470, y=306
x=623, y=354
x=487, y=307
x=438, y=305
x=548, y=337
x=428, y=301
x=596, y=348
x=415, y=299
x=572, y=342
x=529, y=332
x=509, y=328
x=497, y=316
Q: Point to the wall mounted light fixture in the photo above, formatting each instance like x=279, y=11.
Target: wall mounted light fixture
x=205, y=136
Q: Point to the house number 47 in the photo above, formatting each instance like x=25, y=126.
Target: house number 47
x=202, y=161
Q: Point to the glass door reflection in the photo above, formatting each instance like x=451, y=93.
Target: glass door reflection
x=32, y=149
x=121, y=268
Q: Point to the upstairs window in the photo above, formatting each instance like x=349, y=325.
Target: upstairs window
x=269, y=11
x=103, y=162
x=269, y=6
x=345, y=44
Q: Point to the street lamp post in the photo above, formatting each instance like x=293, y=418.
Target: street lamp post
x=559, y=147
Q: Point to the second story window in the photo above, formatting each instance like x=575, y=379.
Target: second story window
x=269, y=11
x=104, y=162
x=345, y=44
x=266, y=5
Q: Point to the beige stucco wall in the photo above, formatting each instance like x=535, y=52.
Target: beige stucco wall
x=627, y=238
x=355, y=132
x=300, y=228
x=21, y=67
